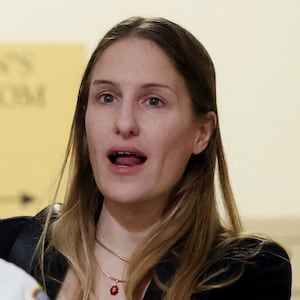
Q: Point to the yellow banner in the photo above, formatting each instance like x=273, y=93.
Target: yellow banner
x=38, y=90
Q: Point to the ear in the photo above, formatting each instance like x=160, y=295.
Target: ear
x=205, y=130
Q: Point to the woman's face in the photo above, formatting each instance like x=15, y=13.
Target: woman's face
x=140, y=127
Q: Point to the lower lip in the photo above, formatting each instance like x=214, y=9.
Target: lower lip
x=125, y=170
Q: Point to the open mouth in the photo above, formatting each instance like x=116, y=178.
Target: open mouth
x=125, y=158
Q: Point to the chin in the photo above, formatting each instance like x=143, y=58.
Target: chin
x=125, y=197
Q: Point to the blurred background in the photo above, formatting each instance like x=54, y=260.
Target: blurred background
x=255, y=45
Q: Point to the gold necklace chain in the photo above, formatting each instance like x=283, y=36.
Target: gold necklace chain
x=111, y=277
x=114, y=290
x=111, y=251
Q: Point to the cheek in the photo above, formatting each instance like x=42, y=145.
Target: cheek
x=92, y=153
x=176, y=148
x=180, y=139
x=94, y=130
x=93, y=139
x=89, y=138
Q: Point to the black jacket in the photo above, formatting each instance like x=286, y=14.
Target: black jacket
x=266, y=277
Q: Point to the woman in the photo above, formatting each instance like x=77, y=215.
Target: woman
x=140, y=219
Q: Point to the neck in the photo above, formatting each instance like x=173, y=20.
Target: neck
x=123, y=227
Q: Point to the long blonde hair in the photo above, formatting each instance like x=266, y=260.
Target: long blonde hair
x=192, y=230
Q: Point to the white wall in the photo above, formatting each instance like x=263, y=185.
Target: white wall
x=255, y=45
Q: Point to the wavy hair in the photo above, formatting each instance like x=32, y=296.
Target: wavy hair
x=192, y=230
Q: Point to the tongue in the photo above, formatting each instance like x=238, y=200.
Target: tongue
x=128, y=160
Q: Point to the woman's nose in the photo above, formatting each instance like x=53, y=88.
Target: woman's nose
x=126, y=123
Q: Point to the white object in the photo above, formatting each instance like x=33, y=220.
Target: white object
x=16, y=284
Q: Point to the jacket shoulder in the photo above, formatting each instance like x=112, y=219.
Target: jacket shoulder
x=9, y=231
x=19, y=236
x=265, y=273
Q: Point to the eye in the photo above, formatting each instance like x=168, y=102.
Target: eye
x=154, y=101
x=106, y=98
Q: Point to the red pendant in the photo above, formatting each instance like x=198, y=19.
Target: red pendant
x=114, y=290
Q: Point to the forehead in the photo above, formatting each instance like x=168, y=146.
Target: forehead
x=136, y=57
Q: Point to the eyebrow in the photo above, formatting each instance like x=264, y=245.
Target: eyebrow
x=103, y=81
x=144, y=86
x=157, y=85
